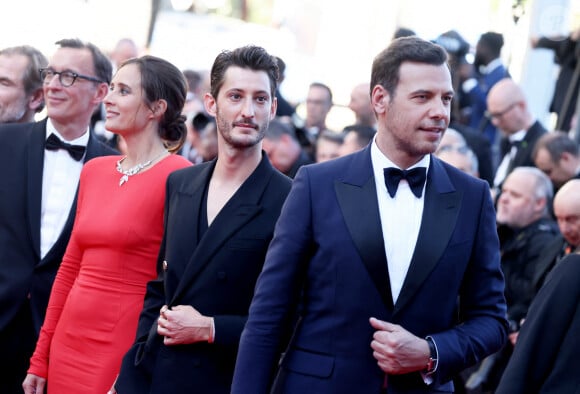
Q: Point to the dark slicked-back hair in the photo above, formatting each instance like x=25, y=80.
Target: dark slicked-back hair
x=101, y=63
x=161, y=80
x=250, y=57
x=386, y=65
x=556, y=143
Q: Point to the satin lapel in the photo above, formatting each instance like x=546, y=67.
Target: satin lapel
x=359, y=207
x=236, y=213
x=35, y=164
x=442, y=203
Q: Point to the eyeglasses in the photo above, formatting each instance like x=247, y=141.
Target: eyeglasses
x=66, y=78
x=497, y=115
x=460, y=148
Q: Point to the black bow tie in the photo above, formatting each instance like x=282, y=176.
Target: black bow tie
x=55, y=143
x=415, y=177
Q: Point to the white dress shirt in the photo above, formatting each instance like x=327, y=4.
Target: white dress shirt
x=60, y=179
x=400, y=219
x=502, y=169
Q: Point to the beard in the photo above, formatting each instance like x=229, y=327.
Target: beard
x=239, y=140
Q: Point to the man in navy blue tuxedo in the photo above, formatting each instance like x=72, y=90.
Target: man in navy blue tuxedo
x=380, y=280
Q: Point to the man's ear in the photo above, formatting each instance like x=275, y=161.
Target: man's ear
x=210, y=104
x=379, y=99
x=36, y=100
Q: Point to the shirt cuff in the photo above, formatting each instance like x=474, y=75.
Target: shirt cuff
x=211, y=331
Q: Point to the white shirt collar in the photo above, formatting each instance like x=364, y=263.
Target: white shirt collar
x=381, y=161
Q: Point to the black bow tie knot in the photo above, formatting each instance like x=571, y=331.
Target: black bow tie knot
x=415, y=177
x=75, y=151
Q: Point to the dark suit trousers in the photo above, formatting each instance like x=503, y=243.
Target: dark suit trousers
x=17, y=342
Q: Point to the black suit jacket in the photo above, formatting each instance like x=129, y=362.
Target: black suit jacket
x=545, y=358
x=215, y=273
x=523, y=156
x=23, y=274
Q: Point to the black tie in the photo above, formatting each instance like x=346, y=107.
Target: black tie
x=55, y=143
x=415, y=177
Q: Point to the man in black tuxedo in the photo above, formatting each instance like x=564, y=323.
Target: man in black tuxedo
x=40, y=165
x=219, y=219
x=508, y=111
x=545, y=358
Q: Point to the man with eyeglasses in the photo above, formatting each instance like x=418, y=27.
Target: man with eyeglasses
x=40, y=165
x=508, y=111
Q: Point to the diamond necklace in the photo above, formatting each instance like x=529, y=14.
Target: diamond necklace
x=134, y=170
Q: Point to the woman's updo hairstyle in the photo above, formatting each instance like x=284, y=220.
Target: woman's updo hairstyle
x=161, y=80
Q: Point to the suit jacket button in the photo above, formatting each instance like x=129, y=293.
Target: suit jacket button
x=164, y=265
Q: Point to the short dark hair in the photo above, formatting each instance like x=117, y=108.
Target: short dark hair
x=276, y=129
x=556, y=143
x=161, y=80
x=36, y=60
x=194, y=79
x=102, y=65
x=323, y=86
x=386, y=65
x=493, y=42
x=364, y=134
x=250, y=57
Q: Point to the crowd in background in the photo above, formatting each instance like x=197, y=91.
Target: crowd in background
x=533, y=171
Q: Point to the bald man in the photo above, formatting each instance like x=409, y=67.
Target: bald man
x=567, y=211
x=454, y=150
x=508, y=111
x=360, y=104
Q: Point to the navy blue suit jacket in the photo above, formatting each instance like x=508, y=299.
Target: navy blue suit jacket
x=327, y=265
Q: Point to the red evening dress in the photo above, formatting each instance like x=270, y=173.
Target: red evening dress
x=98, y=292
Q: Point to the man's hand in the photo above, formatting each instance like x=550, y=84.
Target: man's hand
x=33, y=384
x=397, y=350
x=182, y=325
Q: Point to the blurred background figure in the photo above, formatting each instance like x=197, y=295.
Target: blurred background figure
x=328, y=146
x=283, y=148
x=356, y=138
x=454, y=150
x=21, y=95
x=403, y=32
x=558, y=156
x=208, y=144
x=125, y=49
x=196, y=124
x=284, y=109
x=318, y=105
x=360, y=105
x=487, y=70
x=567, y=212
x=194, y=100
x=508, y=110
x=457, y=49
x=566, y=55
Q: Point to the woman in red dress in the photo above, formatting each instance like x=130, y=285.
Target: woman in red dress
x=98, y=292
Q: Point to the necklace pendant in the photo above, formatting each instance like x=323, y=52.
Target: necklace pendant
x=123, y=179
